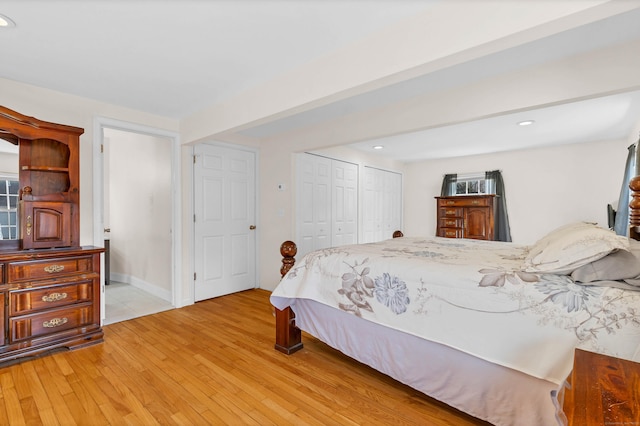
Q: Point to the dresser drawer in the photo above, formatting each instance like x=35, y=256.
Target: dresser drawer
x=451, y=212
x=40, y=269
x=451, y=222
x=49, y=322
x=450, y=232
x=463, y=201
x=31, y=300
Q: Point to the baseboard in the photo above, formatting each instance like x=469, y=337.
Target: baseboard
x=142, y=285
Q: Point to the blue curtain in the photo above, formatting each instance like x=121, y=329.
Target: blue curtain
x=621, y=226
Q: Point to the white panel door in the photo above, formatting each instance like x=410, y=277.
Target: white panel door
x=313, y=203
x=383, y=204
x=368, y=200
x=345, y=203
x=224, y=205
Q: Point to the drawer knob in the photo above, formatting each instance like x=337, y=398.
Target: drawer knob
x=53, y=268
x=54, y=297
x=55, y=322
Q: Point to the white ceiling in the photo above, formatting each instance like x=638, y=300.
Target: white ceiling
x=174, y=58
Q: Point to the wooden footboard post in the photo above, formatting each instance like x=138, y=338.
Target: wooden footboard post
x=634, y=209
x=288, y=336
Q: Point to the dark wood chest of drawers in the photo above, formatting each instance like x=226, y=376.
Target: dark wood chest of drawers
x=466, y=216
x=50, y=300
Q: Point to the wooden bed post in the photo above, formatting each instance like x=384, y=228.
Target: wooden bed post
x=634, y=209
x=288, y=336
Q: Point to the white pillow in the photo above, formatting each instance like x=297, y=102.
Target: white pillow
x=556, y=235
x=572, y=246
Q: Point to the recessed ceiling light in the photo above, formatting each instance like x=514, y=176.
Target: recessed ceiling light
x=526, y=123
x=378, y=147
x=5, y=22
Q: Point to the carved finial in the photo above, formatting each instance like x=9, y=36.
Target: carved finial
x=634, y=205
x=288, y=250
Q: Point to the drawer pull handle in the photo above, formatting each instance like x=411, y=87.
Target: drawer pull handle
x=55, y=322
x=475, y=202
x=54, y=297
x=53, y=268
x=450, y=212
x=450, y=202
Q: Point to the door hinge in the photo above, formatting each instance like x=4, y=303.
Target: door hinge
x=194, y=217
x=194, y=159
x=101, y=148
x=194, y=276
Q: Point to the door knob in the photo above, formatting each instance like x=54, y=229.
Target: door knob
x=107, y=229
x=252, y=227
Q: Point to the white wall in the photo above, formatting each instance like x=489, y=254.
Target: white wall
x=545, y=188
x=57, y=107
x=277, y=165
x=63, y=108
x=139, y=209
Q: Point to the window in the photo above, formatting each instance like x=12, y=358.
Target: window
x=8, y=208
x=471, y=186
x=467, y=184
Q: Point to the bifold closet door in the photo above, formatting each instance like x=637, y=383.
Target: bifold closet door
x=326, y=203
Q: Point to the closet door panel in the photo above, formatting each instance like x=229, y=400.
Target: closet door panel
x=345, y=203
x=382, y=213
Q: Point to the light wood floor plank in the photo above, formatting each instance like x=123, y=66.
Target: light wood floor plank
x=212, y=363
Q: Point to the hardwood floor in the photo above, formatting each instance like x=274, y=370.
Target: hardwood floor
x=210, y=363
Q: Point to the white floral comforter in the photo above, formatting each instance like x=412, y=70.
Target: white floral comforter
x=470, y=295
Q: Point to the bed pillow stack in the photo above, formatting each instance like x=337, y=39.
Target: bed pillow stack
x=572, y=246
x=618, y=265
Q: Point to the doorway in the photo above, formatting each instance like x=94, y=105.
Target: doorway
x=225, y=217
x=134, y=197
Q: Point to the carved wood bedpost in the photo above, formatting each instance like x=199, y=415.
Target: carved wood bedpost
x=634, y=209
x=288, y=336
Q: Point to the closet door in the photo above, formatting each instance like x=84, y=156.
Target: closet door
x=326, y=203
x=344, y=187
x=313, y=203
x=372, y=211
x=382, y=212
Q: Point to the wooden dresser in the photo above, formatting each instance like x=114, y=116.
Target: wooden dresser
x=601, y=390
x=49, y=284
x=466, y=216
x=51, y=300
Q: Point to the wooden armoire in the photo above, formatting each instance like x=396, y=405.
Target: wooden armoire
x=466, y=216
x=49, y=284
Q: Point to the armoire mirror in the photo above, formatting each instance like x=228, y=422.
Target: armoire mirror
x=9, y=188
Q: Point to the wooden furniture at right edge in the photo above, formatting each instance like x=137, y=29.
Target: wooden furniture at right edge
x=466, y=216
x=601, y=390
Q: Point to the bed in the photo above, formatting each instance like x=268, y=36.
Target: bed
x=489, y=328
